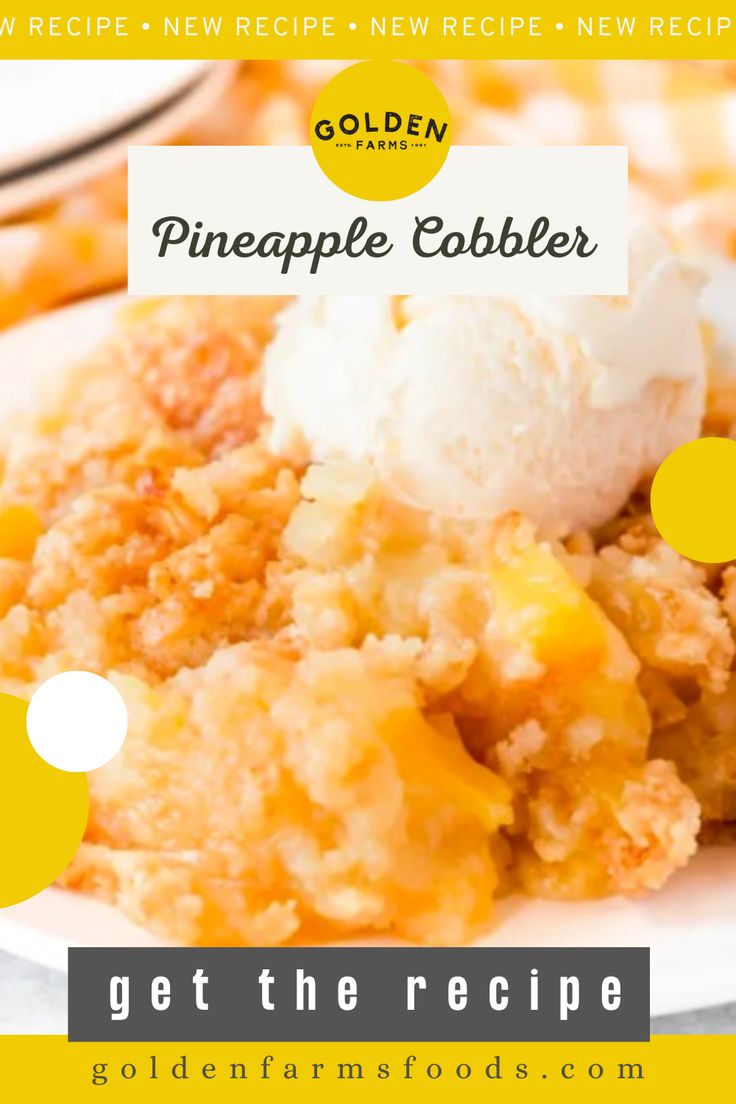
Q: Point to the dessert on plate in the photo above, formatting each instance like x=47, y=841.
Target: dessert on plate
x=378, y=578
x=379, y=584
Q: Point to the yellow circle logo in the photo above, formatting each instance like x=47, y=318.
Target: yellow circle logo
x=380, y=130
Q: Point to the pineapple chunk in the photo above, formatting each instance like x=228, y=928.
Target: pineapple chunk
x=585, y=670
x=434, y=757
x=20, y=528
x=537, y=600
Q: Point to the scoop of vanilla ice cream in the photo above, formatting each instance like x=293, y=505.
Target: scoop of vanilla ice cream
x=473, y=406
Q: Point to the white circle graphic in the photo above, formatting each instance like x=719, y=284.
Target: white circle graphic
x=77, y=721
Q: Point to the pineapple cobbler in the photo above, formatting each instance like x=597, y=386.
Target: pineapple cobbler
x=379, y=584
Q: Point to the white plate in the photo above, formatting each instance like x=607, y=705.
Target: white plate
x=61, y=175
x=690, y=925
x=49, y=106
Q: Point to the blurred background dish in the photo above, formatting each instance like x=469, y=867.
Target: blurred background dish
x=57, y=169
x=58, y=105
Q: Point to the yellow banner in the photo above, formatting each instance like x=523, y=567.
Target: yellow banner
x=37, y=1067
x=563, y=29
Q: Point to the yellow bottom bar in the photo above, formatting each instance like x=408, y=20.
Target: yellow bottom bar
x=673, y=1068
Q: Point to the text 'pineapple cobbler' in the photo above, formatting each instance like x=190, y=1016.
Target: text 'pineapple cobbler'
x=348, y=712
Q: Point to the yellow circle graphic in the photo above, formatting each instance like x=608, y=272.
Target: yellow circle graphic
x=43, y=811
x=692, y=500
x=380, y=130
